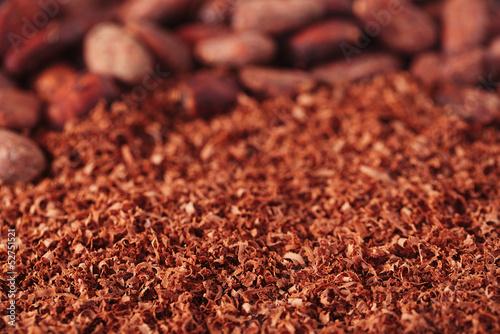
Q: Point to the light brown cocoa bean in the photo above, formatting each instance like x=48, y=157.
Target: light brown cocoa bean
x=363, y=66
x=275, y=17
x=47, y=44
x=468, y=67
x=53, y=79
x=265, y=81
x=78, y=97
x=168, y=49
x=321, y=41
x=464, y=25
x=18, y=109
x=400, y=25
x=20, y=158
x=205, y=94
x=192, y=33
x=237, y=49
x=111, y=50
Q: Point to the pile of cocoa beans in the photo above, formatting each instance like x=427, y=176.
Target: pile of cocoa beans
x=61, y=57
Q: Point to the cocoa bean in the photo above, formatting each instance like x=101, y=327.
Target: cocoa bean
x=169, y=11
x=195, y=32
x=464, y=68
x=205, y=94
x=20, y=158
x=18, y=110
x=360, y=67
x=79, y=97
x=321, y=41
x=472, y=104
x=51, y=80
x=216, y=11
x=110, y=50
x=17, y=24
x=401, y=26
x=465, y=25
x=5, y=81
x=494, y=57
x=47, y=44
x=168, y=49
x=237, y=49
x=275, y=82
x=275, y=17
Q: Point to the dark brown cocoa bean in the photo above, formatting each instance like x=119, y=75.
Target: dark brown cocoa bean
x=275, y=17
x=237, y=49
x=5, y=81
x=321, y=41
x=18, y=109
x=359, y=67
x=206, y=94
x=265, y=81
x=110, y=50
x=337, y=6
x=168, y=49
x=401, y=26
x=21, y=160
x=465, y=25
x=79, y=97
x=47, y=44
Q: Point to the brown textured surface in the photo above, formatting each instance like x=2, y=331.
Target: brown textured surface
x=356, y=209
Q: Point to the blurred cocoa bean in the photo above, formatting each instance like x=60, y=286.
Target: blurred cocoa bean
x=236, y=49
x=400, y=25
x=195, y=32
x=205, y=94
x=45, y=45
x=216, y=11
x=275, y=17
x=18, y=110
x=78, y=97
x=465, y=25
x=53, y=79
x=320, y=41
x=169, y=11
x=267, y=82
x=111, y=50
x=337, y=6
x=360, y=67
x=20, y=158
x=471, y=103
x=168, y=49
x=5, y=81
x=468, y=67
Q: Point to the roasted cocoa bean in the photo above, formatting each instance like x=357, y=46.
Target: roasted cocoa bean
x=18, y=109
x=195, y=32
x=111, y=50
x=53, y=79
x=79, y=97
x=237, y=49
x=464, y=25
x=359, y=67
x=321, y=41
x=275, y=17
x=20, y=158
x=401, y=26
x=205, y=94
x=266, y=81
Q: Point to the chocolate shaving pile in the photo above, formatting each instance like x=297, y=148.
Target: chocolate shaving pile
x=365, y=208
